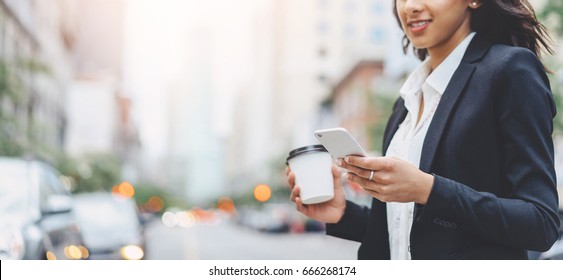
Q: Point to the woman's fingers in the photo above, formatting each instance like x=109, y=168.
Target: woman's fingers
x=364, y=166
x=374, y=189
x=369, y=163
x=291, y=180
x=335, y=172
x=294, y=196
x=363, y=182
x=294, y=193
x=300, y=207
x=356, y=170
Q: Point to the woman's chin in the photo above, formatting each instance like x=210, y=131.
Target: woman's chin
x=418, y=44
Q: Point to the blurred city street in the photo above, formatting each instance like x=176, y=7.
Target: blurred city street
x=229, y=241
x=143, y=129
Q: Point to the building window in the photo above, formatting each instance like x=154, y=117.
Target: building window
x=377, y=35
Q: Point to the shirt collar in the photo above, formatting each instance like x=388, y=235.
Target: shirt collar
x=415, y=80
x=441, y=76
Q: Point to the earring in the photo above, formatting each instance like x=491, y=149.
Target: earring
x=474, y=3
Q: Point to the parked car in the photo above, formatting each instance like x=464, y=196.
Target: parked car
x=111, y=226
x=277, y=218
x=36, y=219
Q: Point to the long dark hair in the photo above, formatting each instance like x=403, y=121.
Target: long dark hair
x=509, y=22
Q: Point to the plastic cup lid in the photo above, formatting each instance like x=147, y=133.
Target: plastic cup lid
x=305, y=150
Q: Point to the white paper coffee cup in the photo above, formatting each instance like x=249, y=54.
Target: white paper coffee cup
x=312, y=168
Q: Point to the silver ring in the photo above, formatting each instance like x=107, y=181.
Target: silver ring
x=371, y=175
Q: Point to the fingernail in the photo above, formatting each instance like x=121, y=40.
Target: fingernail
x=339, y=162
x=347, y=159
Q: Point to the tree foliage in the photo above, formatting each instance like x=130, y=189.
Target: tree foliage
x=92, y=172
x=10, y=126
x=553, y=9
x=144, y=191
x=552, y=16
x=18, y=125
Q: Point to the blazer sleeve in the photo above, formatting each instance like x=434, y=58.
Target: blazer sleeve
x=352, y=225
x=527, y=217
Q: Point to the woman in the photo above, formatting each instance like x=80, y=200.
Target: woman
x=468, y=170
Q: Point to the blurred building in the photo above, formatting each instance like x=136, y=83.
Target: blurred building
x=186, y=66
x=36, y=40
x=243, y=82
x=195, y=166
x=99, y=113
x=251, y=139
x=303, y=51
x=317, y=44
x=353, y=102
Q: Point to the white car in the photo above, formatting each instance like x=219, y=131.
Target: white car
x=36, y=220
x=111, y=226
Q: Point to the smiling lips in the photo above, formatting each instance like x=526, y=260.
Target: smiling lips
x=419, y=25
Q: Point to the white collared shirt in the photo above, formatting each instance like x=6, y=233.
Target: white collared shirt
x=407, y=141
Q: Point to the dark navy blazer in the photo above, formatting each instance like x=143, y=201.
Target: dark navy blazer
x=490, y=149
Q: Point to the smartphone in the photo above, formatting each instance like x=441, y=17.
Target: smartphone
x=339, y=142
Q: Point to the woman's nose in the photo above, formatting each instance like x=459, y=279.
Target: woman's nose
x=413, y=6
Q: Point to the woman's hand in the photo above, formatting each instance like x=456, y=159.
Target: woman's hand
x=328, y=212
x=393, y=179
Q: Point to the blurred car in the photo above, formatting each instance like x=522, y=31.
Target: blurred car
x=36, y=220
x=111, y=226
x=277, y=218
x=269, y=218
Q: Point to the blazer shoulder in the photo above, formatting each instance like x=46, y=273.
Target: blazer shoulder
x=517, y=73
x=503, y=63
x=503, y=55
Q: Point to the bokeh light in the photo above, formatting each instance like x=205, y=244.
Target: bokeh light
x=124, y=189
x=84, y=251
x=186, y=219
x=169, y=219
x=132, y=252
x=154, y=204
x=50, y=256
x=73, y=252
x=262, y=193
x=226, y=204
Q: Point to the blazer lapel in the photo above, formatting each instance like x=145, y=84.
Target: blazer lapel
x=399, y=114
x=476, y=50
x=443, y=113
